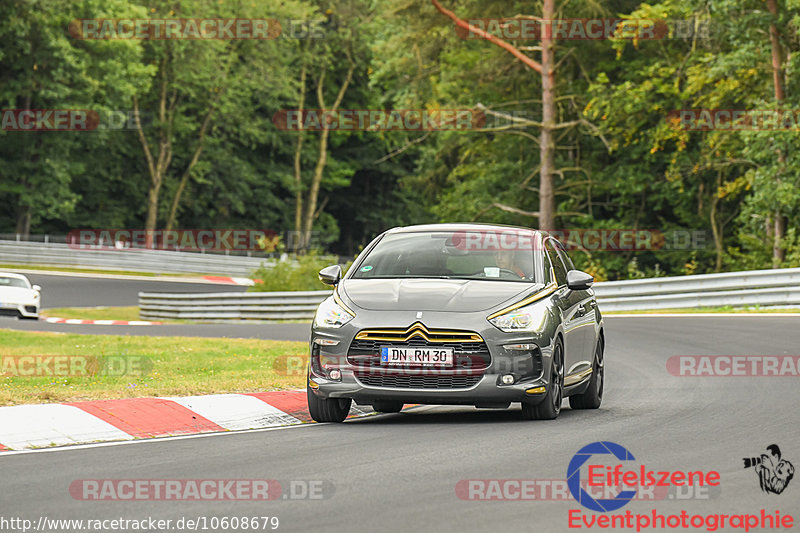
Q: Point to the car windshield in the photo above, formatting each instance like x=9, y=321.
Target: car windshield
x=12, y=282
x=494, y=254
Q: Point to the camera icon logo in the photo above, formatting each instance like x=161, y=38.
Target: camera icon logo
x=774, y=472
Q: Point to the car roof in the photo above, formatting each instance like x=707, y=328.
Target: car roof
x=460, y=226
x=12, y=275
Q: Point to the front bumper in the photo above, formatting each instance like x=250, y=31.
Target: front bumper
x=23, y=310
x=479, y=387
x=485, y=393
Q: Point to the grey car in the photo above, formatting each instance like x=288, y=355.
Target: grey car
x=459, y=314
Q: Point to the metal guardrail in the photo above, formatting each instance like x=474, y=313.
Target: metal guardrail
x=158, y=261
x=766, y=288
x=268, y=306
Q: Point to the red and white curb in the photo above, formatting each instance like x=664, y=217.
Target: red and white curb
x=230, y=281
x=56, y=320
x=43, y=425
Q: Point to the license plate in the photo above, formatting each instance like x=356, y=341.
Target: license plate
x=418, y=356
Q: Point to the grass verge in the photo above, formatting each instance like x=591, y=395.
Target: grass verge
x=112, y=366
x=94, y=313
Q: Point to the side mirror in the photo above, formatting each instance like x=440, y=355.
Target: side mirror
x=579, y=281
x=330, y=275
x=37, y=288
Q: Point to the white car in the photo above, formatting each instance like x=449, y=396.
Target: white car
x=18, y=297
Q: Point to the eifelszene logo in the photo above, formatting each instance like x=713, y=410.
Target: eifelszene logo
x=774, y=473
x=574, y=476
x=595, y=457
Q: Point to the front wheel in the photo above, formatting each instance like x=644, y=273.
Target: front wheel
x=330, y=410
x=550, y=406
x=593, y=395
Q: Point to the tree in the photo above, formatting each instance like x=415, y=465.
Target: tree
x=321, y=61
x=549, y=124
x=44, y=68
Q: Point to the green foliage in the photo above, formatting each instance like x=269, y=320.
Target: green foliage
x=299, y=273
x=623, y=163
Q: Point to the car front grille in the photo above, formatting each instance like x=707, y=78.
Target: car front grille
x=469, y=350
x=471, y=358
x=406, y=381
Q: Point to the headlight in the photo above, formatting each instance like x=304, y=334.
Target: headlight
x=528, y=318
x=331, y=315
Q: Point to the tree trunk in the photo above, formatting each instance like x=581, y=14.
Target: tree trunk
x=152, y=212
x=23, y=221
x=778, y=253
x=298, y=152
x=24, y=211
x=716, y=227
x=546, y=143
x=313, y=193
x=157, y=168
x=316, y=180
x=547, y=203
x=777, y=53
x=195, y=158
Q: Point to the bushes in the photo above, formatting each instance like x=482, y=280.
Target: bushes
x=298, y=273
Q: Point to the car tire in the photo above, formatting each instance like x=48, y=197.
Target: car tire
x=387, y=407
x=330, y=410
x=593, y=395
x=550, y=406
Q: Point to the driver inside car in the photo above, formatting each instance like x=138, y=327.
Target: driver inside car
x=507, y=260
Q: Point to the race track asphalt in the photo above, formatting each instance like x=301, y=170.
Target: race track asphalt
x=399, y=472
x=59, y=290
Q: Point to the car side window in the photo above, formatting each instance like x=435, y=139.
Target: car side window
x=558, y=265
x=548, y=278
x=565, y=256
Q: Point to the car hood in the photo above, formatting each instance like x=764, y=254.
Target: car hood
x=16, y=295
x=449, y=295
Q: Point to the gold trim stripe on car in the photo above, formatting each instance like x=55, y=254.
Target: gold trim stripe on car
x=418, y=329
x=549, y=289
x=572, y=379
x=340, y=303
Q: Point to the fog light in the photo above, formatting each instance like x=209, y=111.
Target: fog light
x=520, y=347
x=507, y=379
x=325, y=342
x=335, y=375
